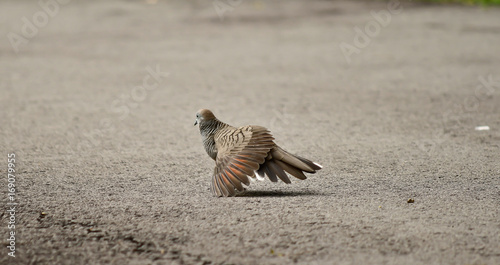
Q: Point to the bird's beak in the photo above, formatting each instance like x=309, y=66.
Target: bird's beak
x=195, y=122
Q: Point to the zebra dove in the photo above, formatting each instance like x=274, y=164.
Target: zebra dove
x=243, y=152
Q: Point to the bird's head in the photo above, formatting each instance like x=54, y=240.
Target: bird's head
x=204, y=115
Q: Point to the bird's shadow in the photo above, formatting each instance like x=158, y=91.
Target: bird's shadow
x=275, y=193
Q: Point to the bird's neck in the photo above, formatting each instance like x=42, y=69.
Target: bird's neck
x=207, y=130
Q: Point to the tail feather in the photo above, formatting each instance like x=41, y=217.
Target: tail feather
x=293, y=160
x=292, y=170
x=310, y=163
x=270, y=173
x=278, y=171
x=278, y=161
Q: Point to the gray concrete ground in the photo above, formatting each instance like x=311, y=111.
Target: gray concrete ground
x=109, y=171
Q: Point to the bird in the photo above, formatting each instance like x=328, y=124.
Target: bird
x=246, y=152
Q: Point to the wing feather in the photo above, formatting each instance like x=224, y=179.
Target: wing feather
x=234, y=180
x=241, y=151
x=215, y=187
x=221, y=185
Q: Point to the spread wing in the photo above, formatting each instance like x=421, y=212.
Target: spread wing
x=240, y=153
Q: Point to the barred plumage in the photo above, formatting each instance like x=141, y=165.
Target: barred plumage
x=245, y=152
